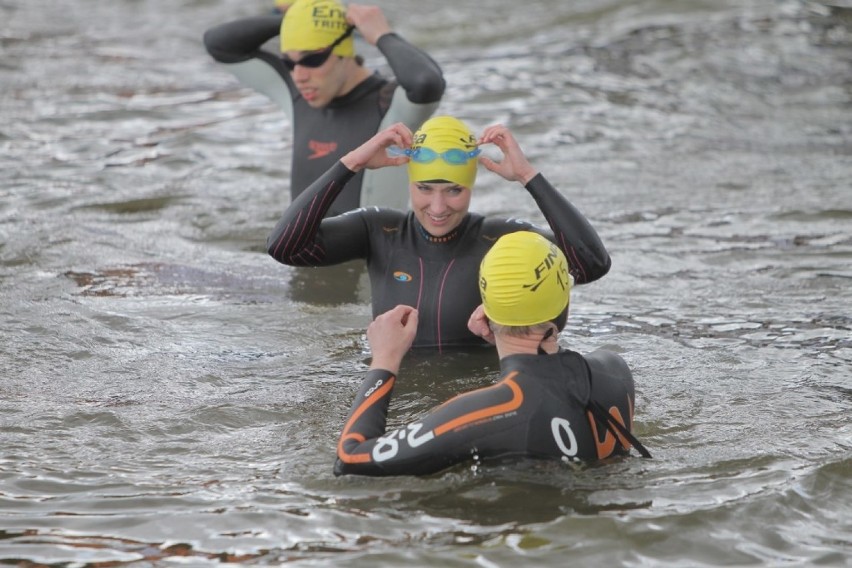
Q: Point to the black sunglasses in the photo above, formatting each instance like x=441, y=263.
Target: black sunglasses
x=317, y=58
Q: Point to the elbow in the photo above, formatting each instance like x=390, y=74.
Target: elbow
x=275, y=250
x=426, y=88
x=339, y=468
x=605, y=265
x=593, y=268
x=279, y=255
x=214, y=45
x=210, y=43
x=285, y=255
x=600, y=268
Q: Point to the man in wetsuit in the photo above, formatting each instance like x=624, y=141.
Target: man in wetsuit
x=549, y=402
x=333, y=102
x=428, y=257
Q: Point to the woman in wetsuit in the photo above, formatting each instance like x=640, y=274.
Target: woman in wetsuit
x=428, y=257
x=548, y=403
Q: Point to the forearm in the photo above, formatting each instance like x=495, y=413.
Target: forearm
x=241, y=40
x=294, y=240
x=446, y=435
x=416, y=72
x=572, y=232
x=366, y=421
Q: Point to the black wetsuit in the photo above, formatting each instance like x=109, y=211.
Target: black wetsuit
x=538, y=409
x=438, y=276
x=323, y=136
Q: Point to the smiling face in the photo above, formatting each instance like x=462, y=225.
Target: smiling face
x=440, y=207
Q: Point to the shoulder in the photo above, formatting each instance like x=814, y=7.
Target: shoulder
x=492, y=228
x=603, y=362
x=377, y=215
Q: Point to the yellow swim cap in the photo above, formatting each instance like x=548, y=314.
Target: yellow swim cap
x=439, y=134
x=524, y=280
x=311, y=25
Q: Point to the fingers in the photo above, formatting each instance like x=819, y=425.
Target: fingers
x=478, y=324
x=406, y=316
x=370, y=21
x=496, y=134
x=399, y=134
x=514, y=166
x=489, y=164
x=391, y=335
x=401, y=316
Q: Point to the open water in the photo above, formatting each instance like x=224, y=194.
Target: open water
x=170, y=395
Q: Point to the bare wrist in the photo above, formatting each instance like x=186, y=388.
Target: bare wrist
x=388, y=364
x=527, y=176
x=351, y=163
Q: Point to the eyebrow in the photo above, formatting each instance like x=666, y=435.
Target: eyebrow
x=428, y=185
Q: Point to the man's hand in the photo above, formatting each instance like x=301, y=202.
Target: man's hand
x=390, y=336
x=370, y=21
x=478, y=325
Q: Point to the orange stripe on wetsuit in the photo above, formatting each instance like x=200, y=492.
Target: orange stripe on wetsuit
x=371, y=400
x=487, y=412
x=605, y=447
x=513, y=404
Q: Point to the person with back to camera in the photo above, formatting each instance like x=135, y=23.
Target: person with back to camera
x=428, y=257
x=550, y=402
x=333, y=102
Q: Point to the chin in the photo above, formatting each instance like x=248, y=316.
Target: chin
x=442, y=230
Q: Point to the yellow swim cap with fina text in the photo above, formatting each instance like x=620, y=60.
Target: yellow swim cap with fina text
x=311, y=25
x=524, y=280
x=444, y=149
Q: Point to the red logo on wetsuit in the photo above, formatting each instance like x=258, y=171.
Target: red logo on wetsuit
x=321, y=149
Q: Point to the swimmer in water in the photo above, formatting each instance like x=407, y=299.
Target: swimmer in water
x=333, y=102
x=428, y=257
x=549, y=402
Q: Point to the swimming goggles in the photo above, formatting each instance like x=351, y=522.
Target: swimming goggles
x=422, y=155
x=317, y=58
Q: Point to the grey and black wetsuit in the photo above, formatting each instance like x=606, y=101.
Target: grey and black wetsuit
x=322, y=136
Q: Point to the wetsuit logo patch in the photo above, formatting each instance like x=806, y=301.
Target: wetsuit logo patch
x=401, y=276
x=321, y=149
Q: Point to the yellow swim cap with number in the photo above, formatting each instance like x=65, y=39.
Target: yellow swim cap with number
x=524, y=280
x=434, y=138
x=311, y=25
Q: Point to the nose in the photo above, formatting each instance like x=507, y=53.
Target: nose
x=438, y=203
x=300, y=73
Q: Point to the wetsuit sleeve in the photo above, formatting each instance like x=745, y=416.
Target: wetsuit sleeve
x=303, y=238
x=572, y=232
x=237, y=46
x=452, y=433
x=241, y=40
x=415, y=71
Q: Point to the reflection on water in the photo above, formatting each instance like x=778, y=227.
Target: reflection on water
x=172, y=394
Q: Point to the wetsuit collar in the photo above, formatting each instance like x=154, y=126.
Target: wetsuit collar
x=360, y=90
x=449, y=237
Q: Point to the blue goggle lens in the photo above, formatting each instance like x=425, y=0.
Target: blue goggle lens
x=422, y=155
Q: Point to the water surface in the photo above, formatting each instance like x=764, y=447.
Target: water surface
x=171, y=394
